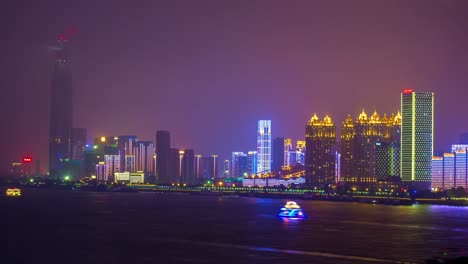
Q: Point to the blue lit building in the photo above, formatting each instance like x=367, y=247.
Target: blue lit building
x=264, y=146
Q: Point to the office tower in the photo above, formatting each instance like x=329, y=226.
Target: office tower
x=347, y=150
x=264, y=146
x=287, y=152
x=300, y=152
x=320, y=152
x=239, y=164
x=278, y=154
x=112, y=163
x=387, y=161
x=163, y=145
x=144, y=157
x=226, y=169
x=127, y=153
x=61, y=106
x=417, y=126
x=78, y=142
x=198, y=167
x=174, y=166
x=252, y=161
x=188, y=168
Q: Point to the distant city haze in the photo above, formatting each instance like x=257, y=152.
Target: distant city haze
x=208, y=70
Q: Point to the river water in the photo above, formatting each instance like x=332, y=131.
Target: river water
x=48, y=226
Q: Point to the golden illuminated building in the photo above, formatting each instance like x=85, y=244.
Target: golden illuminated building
x=359, y=141
x=320, y=155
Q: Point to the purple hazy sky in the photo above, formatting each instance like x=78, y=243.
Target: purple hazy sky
x=207, y=70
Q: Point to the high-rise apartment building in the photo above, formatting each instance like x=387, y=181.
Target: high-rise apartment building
x=369, y=148
x=144, y=157
x=112, y=165
x=451, y=169
x=163, y=146
x=126, y=147
x=320, y=152
x=417, y=133
x=264, y=146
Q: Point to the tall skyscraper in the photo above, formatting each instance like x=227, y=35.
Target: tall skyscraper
x=78, y=142
x=320, y=155
x=61, y=115
x=278, y=154
x=417, y=133
x=264, y=146
x=163, y=146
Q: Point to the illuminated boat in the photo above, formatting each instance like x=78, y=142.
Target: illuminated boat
x=13, y=192
x=292, y=210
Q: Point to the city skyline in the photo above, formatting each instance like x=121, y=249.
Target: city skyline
x=293, y=70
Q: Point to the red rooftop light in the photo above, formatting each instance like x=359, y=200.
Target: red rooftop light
x=27, y=159
x=407, y=91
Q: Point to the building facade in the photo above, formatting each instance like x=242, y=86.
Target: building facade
x=320, y=155
x=163, y=146
x=61, y=116
x=417, y=133
x=264, y=146
x=278, y=154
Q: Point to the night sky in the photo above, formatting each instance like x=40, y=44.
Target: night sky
x=207, y=70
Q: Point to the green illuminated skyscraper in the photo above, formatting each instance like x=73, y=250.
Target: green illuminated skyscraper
x=417, y=134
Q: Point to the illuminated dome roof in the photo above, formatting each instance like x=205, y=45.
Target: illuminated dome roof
x=375, y=117
x=314, y=119
x=327, y=120
x=362, y=116
x=397, y=119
